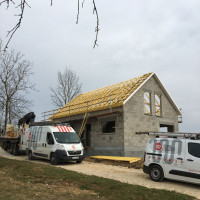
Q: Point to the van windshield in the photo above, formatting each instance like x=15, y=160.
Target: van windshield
x=66, y=138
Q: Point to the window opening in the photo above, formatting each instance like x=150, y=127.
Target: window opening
x=158, y=104
x=108, y=126
x=88, y=135
x=147, y=103
x=166, y=128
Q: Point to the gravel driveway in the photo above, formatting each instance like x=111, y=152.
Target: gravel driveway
x=123, y=174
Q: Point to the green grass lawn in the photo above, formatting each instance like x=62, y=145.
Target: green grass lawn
x=26, y=180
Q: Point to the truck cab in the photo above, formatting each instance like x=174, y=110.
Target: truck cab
x=57, y=143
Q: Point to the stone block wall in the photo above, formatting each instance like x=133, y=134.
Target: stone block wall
x=110, y=144
x=128, y=119
x=135, y=120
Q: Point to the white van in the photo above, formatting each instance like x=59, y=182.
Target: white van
x=58, y=143
x=173, y=158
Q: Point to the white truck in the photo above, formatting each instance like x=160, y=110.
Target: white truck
x=12, y=141
x=54, y=142
x=173, y=156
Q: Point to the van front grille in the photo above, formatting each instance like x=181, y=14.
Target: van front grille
x=74, y=152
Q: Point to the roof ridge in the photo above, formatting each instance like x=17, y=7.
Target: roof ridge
x=117, y=83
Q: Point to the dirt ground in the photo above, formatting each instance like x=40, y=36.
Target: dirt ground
x=120, y=173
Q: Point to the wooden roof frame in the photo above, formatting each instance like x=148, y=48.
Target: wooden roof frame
x=125, y=98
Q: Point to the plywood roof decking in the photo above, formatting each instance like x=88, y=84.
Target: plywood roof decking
x=101, y=99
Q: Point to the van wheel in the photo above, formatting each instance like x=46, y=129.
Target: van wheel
x=53, y=159
x=15, y=150
x=5, y=146
x=30, y=155
x=156, y=173
x=12, y=148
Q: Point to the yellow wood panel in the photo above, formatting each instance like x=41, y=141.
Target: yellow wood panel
x=116, y=158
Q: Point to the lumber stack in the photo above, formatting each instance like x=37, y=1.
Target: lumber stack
x=10, y=131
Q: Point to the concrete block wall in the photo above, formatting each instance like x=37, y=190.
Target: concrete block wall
x=129, y=119
x=135, y=119
x=110, y=144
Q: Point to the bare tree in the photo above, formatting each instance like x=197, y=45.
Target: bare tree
x=15, y=72
x=23, y=4
x=67, y=88
x=1, y=110
x=18, y=107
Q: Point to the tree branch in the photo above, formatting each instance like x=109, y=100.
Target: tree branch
x=14, y=29
x=22, y=8
x=77, y=18
x=83, y=3
x=97, y=26
x=7, y=2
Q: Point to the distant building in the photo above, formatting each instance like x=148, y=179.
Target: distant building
x=114, y=113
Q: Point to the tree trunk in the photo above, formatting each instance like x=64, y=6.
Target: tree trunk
x=6, y=116
x=9, y=116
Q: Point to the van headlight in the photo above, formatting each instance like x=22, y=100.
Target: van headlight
x=60, y=147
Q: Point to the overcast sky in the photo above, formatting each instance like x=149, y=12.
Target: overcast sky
x=136, y=37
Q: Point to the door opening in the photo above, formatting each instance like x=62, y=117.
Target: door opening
x=166, y=128
x=88, y=135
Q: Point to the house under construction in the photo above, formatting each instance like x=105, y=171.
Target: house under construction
x=107, y=118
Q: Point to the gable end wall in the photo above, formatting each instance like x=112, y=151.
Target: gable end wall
x=135, y=120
